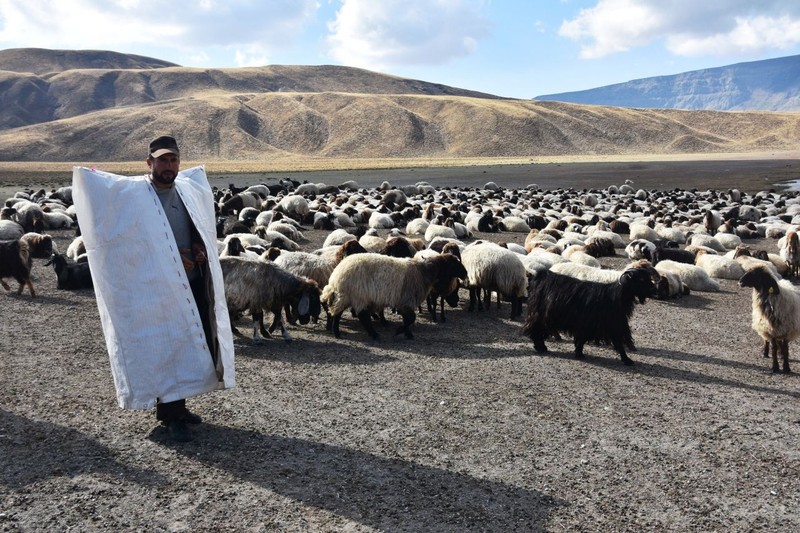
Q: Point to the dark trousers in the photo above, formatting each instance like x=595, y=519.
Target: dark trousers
x=169, y=411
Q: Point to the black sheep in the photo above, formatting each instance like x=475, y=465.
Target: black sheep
x=70, y=276
x=588, y=310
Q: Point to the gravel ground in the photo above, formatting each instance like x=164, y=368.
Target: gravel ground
x=463, y=428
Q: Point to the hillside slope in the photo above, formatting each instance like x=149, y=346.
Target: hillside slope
x=109, y=114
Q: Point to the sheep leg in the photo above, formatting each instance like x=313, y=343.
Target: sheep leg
x=785, y=354
x=258, y=325
x=766, y=349
x=473, y=297
x=538, y=335
x=431, y=301
x=335, y=325
x=620, y=347
x=579, y=342
x=366, y=321
x=278, y=321
x=442, y=313
x=408, y=319
x=516, y=307
x=775, y=367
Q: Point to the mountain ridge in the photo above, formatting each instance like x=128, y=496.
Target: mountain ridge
x=766, y=85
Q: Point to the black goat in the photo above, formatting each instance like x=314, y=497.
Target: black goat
x=588, y=310
x=70, y=276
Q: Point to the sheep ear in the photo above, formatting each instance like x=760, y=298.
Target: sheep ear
x=302, y=307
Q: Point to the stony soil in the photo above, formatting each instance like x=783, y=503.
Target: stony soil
x=463, y=428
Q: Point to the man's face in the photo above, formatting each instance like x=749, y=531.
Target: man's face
x=164, y=168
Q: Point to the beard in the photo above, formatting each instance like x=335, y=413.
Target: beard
x=166, y=177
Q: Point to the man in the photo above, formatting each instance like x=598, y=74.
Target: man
x=159, y=290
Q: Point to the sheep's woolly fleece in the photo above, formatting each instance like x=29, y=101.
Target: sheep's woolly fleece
x=462, y=429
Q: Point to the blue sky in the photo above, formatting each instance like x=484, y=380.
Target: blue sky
x=510, y=48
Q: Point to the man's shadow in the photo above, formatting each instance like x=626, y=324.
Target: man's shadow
x=384, y=493
x=32, y=451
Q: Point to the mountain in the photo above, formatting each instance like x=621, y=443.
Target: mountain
x=72, y=111
x=768, y=85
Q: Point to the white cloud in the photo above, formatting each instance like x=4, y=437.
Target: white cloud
x=181, y=25
x=391, y=33
x=688, y=27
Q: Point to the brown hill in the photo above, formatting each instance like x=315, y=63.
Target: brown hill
x=338, y=112
x=42, y=60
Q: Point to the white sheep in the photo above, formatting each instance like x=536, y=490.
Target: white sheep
x=493, y=268
x=514, y=224
x=704, y=239
x=294, y=205
x=439, y=230
x=337, y=237
x=776, y=313
x=692, y=276
x=719, y=266
x=368, y=283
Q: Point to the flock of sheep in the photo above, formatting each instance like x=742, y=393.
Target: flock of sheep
x=397, y=249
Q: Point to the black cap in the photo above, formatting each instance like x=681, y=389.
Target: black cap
x=164, y=145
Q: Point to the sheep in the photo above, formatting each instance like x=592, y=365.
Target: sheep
x=287, y=230
x=40, y=246
x=493, y=268
x=636, y=249
x=70, y=276
x=670, y=285
x=368, y=283
x=275, y=238
x=669, y=254
x=576, y=254
x=57, y=220
x=719, y=266
x=444, y=290
x=790, y=252
x=10, y=230
x=712, y=221
x=294, y=206
x=438, y=230
x=514, y=224
x=76, y=249
x=373, y=242
x=263, y=286
x=703, y=239
x=235, y=248
x=30, y=216
x=337, y=237
x=237, y=202
x=691, y=275
x=16, y=262
x=588, y=310
x=776, y=313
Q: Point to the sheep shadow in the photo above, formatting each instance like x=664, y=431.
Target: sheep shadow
x=32, y=451
x=691, y=301
x=646, y=368
x=382, y=493
x=302, y=351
